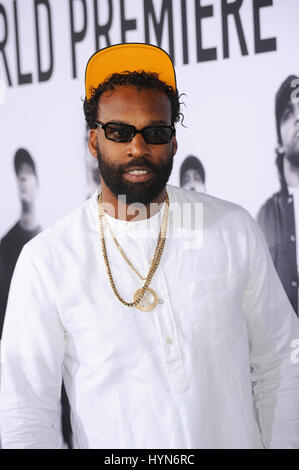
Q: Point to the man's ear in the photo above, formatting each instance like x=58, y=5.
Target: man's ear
x=93, y=142
x=175, y=146
x=280, y=148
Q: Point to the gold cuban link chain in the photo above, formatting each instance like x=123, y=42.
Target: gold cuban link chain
x=155, y=260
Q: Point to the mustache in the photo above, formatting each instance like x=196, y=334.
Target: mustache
x=141, y=162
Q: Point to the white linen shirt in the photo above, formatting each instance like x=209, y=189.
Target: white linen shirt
x=213, y=365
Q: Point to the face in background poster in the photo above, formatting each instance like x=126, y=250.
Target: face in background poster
x=230, y=57
x=192, y=174
x=279, y=215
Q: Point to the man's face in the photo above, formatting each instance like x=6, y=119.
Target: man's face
x=192, y=181
x=27, y=183
x=139, y=108
x=289, y=129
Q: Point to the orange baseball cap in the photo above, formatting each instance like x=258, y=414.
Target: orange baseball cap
x=128, y=57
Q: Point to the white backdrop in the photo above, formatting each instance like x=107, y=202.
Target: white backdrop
x=229, y=110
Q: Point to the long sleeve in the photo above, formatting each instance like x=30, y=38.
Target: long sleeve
x=32, y=352
x=273, y=329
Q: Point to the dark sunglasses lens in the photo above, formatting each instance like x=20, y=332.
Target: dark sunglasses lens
x=119, y=132
x=157, y=135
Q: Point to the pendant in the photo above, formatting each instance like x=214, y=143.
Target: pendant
x=149, y=300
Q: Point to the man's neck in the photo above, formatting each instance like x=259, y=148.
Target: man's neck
x=291, y=174
x=28, y=217
x=117, y=208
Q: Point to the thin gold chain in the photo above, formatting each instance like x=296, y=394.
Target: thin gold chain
x=123, y=253
x=155, y=260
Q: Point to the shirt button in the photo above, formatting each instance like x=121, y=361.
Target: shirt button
x=161, y=301
x=292, y=238
x=294, y=283
x=168, y=340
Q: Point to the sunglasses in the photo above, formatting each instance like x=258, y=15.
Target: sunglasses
x=118, y=132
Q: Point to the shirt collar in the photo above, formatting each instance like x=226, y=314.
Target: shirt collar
x=151, y=225
x=177, y=226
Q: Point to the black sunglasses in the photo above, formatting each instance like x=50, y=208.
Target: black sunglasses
x=119, y=132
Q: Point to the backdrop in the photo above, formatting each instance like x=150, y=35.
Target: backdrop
x=230, y=58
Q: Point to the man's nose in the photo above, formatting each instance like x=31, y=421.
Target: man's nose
x=138, y=147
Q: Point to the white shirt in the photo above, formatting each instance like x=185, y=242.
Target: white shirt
x=212, y=366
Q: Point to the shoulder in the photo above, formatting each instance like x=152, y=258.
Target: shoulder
x=270, y=204
x=10, y=236
x=216, y=210
x=183, y=195
x=228, y=229
x=11, y=232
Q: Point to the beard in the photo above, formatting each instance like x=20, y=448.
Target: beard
x=143, y=192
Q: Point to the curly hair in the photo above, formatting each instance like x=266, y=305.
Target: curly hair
x=139, y=79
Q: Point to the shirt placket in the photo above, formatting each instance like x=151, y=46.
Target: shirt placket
x=172, y=352
x=168, y=331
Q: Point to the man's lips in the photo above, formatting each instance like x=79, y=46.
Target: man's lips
x=141, y=168
x=138, y=174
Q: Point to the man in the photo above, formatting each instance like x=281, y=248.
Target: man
x=167, y=334
x=192, y=175
x=279, y=216
x=25, y=229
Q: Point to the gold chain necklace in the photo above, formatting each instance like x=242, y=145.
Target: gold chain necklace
x=122, y=252
x=142, y=299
